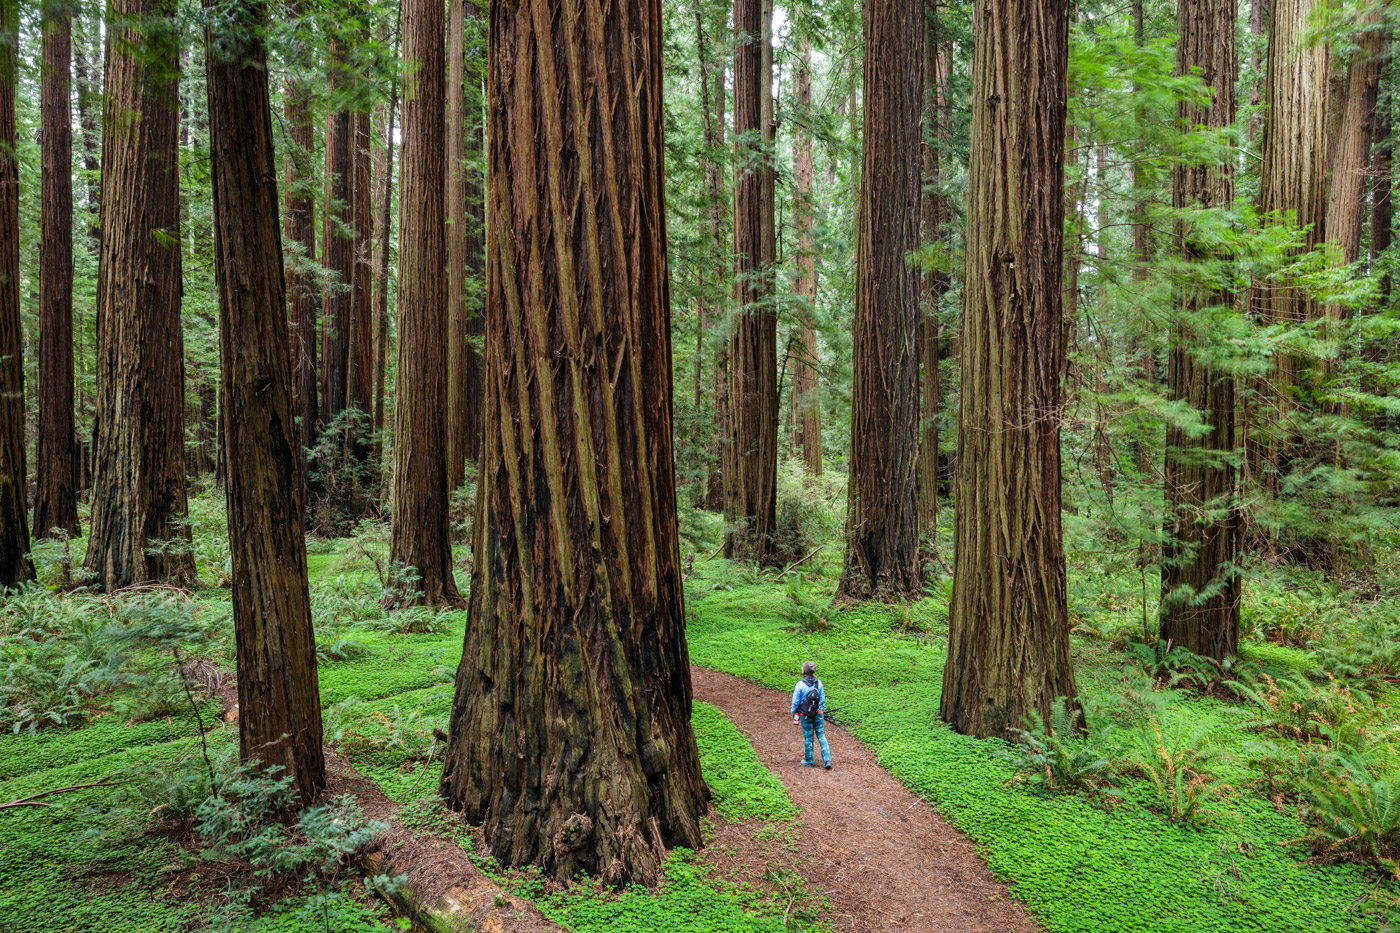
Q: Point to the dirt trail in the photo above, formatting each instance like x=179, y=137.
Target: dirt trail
x=884, y=859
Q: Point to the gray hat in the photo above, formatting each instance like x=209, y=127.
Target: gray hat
x=809, y=667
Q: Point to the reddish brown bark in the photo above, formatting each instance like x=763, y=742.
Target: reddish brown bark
x=15, y=566
x=279, y=721
x=806, y=403
x=570, y=738
x=302, y=290
x=882, y=518
x=138, y=531
x=419, y=535
x=1008, y=647
x=56, y=492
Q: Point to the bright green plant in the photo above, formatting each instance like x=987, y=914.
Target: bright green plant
x=1177, y=760
x=1054, y=757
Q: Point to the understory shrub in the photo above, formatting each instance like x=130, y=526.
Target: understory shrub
x=1054, y=756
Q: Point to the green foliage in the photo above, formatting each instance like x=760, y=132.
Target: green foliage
x=1178, y=761
x=1055, y=757
x=805, y=611
x=1356, y=804
x=741, y=786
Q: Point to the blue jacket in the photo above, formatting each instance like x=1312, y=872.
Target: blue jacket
x=802, y=689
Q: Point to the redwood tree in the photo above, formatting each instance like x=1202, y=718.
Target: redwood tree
x=1008, y=642
x=456, y=196
x=1200, y=608
x=419, y=535
x=56, y=491
x=300, y=212
x=15, y=566
x=751, y=450
x=570, y=738
x=882, y=516
x=279, y=703
x=138, y=531
x=806, y=403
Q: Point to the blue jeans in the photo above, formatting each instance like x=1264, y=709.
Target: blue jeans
x=808, y=726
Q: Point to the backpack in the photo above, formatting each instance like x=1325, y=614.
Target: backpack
x=811, y=702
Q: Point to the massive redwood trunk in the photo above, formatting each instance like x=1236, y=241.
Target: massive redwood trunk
x=279, y=721
x=1200, y=608
x=15, y=566
x=419, y=537
x=56, y=492
x=1351, y=149
x=806, y=402
x=570, y=737
x=1008, y=643
x=456, y=196
x=138, y=531
x=882, y=517
x=381, y=330
x=751, y=448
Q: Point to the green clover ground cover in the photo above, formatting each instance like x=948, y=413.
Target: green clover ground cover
x=1082, y=868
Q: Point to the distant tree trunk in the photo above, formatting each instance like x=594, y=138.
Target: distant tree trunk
x=88, y=99
x=279, y=702
x=570, y=738
x=1103, y=449
x=381, y=341
x=138, y=531
x=56, y=492
x=1144, y=183
x=1200, y=608
x=1382, y=210
x=1008, y=648
x=303, y=289
x=15, y=566
x=806, y=403
x=1258, y=10
x=338, y=245
x=359, y=388
x=456, y=243
x=1292, y=178
x=751, y=453
x=882, y=515
x=712, y=76
x=1351, y=150
x=474, y=370
x=935, y=283
x=419, y=536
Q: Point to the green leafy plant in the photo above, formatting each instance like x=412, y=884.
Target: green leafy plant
x=1054, y=757
x=804, y=611
x=1176, y=760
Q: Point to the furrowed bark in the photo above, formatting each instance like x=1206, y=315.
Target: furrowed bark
x=138, y=531
x=1008, y=650
x=1200, y=607
x=456, y=195
x=474, y=368
x=935, y=284
x=56, y=492
x=419, y=534
x=751, y=451
x=882, y=516
x=806, y=403
x=15, y=566
x=570, y=737
x=279, y=722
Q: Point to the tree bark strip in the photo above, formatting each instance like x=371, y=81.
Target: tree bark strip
x=15, y=566
x=936, y=213
x=303, y=290
x=56, y=492
x=419, y=534
x=570, y=736
x=138, y=531
x=456, y=243
x=1008, y=650
x=381, y=339
x=279, y=722
x=1200, y=607
x=806, y=403
x=882, y=516
x=751, y=451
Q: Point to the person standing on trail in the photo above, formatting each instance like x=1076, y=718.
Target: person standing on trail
x=809, y=709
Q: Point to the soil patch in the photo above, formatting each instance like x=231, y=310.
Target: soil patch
x=882, y=857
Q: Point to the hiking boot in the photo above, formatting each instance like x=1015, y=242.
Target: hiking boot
x=808, y=764
x=826, y=765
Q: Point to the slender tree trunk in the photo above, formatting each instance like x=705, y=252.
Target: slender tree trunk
x=302, y=289
x=280, y=719
x=1382, y=210
x=56, y=493
x=381, y=342
x=359, y=389
x=474, y=369
x=338, y=245
x=1258, y=11
x=806, y=403
x=751, y=452
x=882, y=516
x=935, y=283
x=570, y=738
x=15, y=566
x=279, y=701
x=419, y=535
x=1292, y=178
x=1200, y=608
x=456, y=243
x=1103, y=449
x=89, y=101
x=1351, y=150
x=714, y=141
x=138, y=531
x=1008, y=650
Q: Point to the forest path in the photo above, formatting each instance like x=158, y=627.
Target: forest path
x=882, y=857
